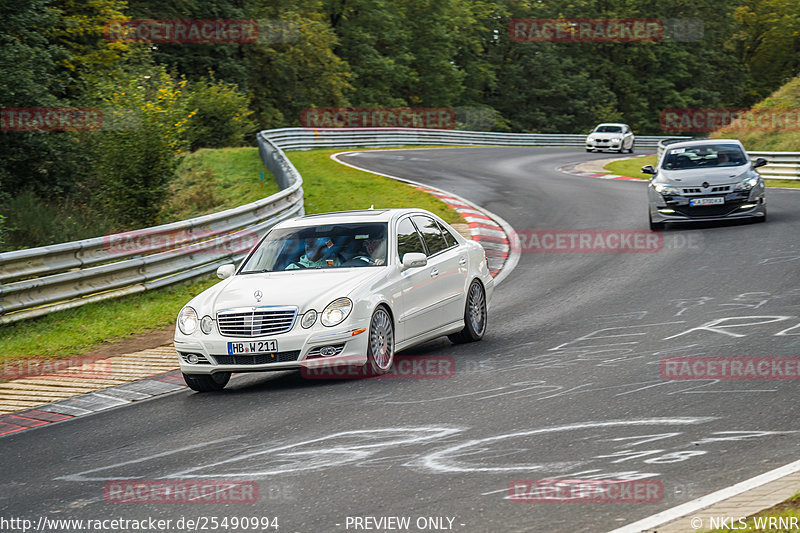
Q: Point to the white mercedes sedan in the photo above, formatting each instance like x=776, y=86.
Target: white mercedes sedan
x=348, y=288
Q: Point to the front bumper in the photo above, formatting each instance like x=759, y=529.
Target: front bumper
x=603, y=145
x=293, y=352
x=745, y=204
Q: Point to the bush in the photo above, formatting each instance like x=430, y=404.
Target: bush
x=137, y=152
x=221, y=117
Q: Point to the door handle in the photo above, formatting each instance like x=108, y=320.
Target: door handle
x=462, y=261
x=434, y=272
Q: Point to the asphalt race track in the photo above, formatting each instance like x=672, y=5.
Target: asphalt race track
x=567, y=383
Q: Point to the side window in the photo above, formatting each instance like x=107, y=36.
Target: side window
x=408, y=239
x=434, y=241
x=448, y=237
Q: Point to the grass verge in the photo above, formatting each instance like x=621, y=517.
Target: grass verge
x=209, y=180
x=632, y=168
x=330, y=186
x=75, y=331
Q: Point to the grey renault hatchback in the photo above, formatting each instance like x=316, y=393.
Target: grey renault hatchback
x=705, y=180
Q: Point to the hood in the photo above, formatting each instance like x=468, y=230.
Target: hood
x=305, y=289
x=695, y=177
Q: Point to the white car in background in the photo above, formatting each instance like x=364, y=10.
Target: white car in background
x=611, y=136
x=353, y=287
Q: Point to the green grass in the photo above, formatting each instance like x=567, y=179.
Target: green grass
x=787, y=509
x=212, y=180
x=632, y=168
x=330, y=186
x=75, y=331
x=209, y=180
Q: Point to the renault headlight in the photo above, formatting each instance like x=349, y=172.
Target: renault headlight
x=336, y=312
x=667, y=190
x=746, y=184
x=187, y=320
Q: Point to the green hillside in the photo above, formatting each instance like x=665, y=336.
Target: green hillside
x=785, y=137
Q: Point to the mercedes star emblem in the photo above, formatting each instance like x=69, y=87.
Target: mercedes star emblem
x=705, y=185
x=258, y=295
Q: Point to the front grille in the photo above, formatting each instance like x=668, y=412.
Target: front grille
x=692, y=191
x=723, y=188
x=256, y=321
x=260, y=359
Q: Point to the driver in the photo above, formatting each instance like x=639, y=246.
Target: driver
x=317, y=255
x=372, y=251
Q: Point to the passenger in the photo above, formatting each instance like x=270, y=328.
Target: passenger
x=317, y=255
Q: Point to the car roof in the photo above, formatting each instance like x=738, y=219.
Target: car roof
x=351, y=217
x=704, y=142
x=610, y=124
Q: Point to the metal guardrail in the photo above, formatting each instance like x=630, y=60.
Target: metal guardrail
x=40, y=280
x=308, y=138
x=781, y=165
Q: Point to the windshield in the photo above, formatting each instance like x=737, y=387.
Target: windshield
x=324, y=246
x=707, y=155
x=608, y=129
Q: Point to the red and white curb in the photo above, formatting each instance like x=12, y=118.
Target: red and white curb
x=483, y=228
x=85, y=404
x=488, y=229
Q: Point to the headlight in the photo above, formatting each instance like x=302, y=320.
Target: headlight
x=667, y=190
x=746, y=184
x=336, y=312
x=308, y=319
x=207, y=325
x=615, y=140
x=187, y=320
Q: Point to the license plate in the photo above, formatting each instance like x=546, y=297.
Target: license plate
x=252, y=347
x=706, y=201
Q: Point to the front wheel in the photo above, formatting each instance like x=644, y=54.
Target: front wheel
x=475, y=316
x=630, y=150
x=380, y=350
x=207, y=382
x=656, y=226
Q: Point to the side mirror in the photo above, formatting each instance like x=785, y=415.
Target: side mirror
x=760, y=162
x=226, y=271
x=414, y=260
x=648, y=169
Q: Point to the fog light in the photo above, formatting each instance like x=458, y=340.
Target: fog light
x=666, y=211
x=192, y=358
x=327, y=351
x=747, y=206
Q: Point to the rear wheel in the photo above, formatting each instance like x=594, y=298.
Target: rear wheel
x=380, y=350
x=207, y=382
x=475, y=316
